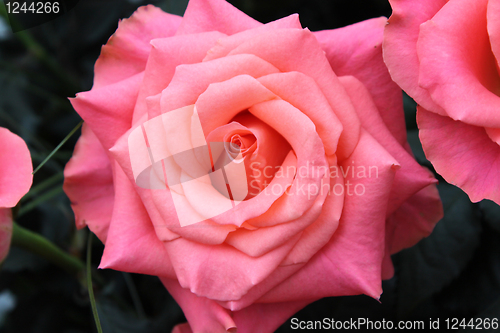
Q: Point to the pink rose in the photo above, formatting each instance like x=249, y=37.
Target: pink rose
x=319, y=186
x=15, y=181
x=445, y=55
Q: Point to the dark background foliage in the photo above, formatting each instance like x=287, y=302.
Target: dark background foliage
x=454, y=273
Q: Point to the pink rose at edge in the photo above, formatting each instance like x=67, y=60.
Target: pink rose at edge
x=445, y=54
x=327, y=94
x=15, y=181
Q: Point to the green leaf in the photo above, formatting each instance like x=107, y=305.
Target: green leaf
x=434, y=262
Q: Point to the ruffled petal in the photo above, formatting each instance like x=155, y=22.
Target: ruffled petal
x=463, y=154
x=88, y=182
x=127, y=51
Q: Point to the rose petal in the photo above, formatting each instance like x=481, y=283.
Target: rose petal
x=132, y=245
x=457, y=66
x=411, y=177
x=108, y=110
x=225, y=45
x=127, y=51
x=221, y=272
x=15, y=170
x=174, y=51
x=463, y=154
x=190, y=81
x=88, y=182
x=357, y=50
x=400, y=46
x=214, y=15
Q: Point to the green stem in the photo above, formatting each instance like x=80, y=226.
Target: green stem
x=41, y=246
x=90, y=287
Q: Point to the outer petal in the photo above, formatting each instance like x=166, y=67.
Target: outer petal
x=463, y=154
x=132, y=244
x=411, y=178
x=205, y=315
x=357, y=50
x=457, y=66
x=15, y=168
x=400, y=46
x=5, y=232
x=88, y=182
x=214, y=15
x=127, y=50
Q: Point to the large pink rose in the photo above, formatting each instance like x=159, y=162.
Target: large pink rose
x=15, y=181
x=319, y=186
x=445, y=54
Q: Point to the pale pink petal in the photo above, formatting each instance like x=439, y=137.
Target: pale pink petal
x=400, y=46
x=351, y=262
x=15, y=169
x=132, y=245
x=457, y=66
x=214, y=15
x=108, y=110
x=127, y=51
x=88, y=182
x=276, y=46
x=5, y=232
x=463, y=154
x=357, y=50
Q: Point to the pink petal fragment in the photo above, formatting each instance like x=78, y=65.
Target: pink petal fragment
x=88, y=182
x=127, y=51
x=463, y=154
x=15, y=170
x=214, y=15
